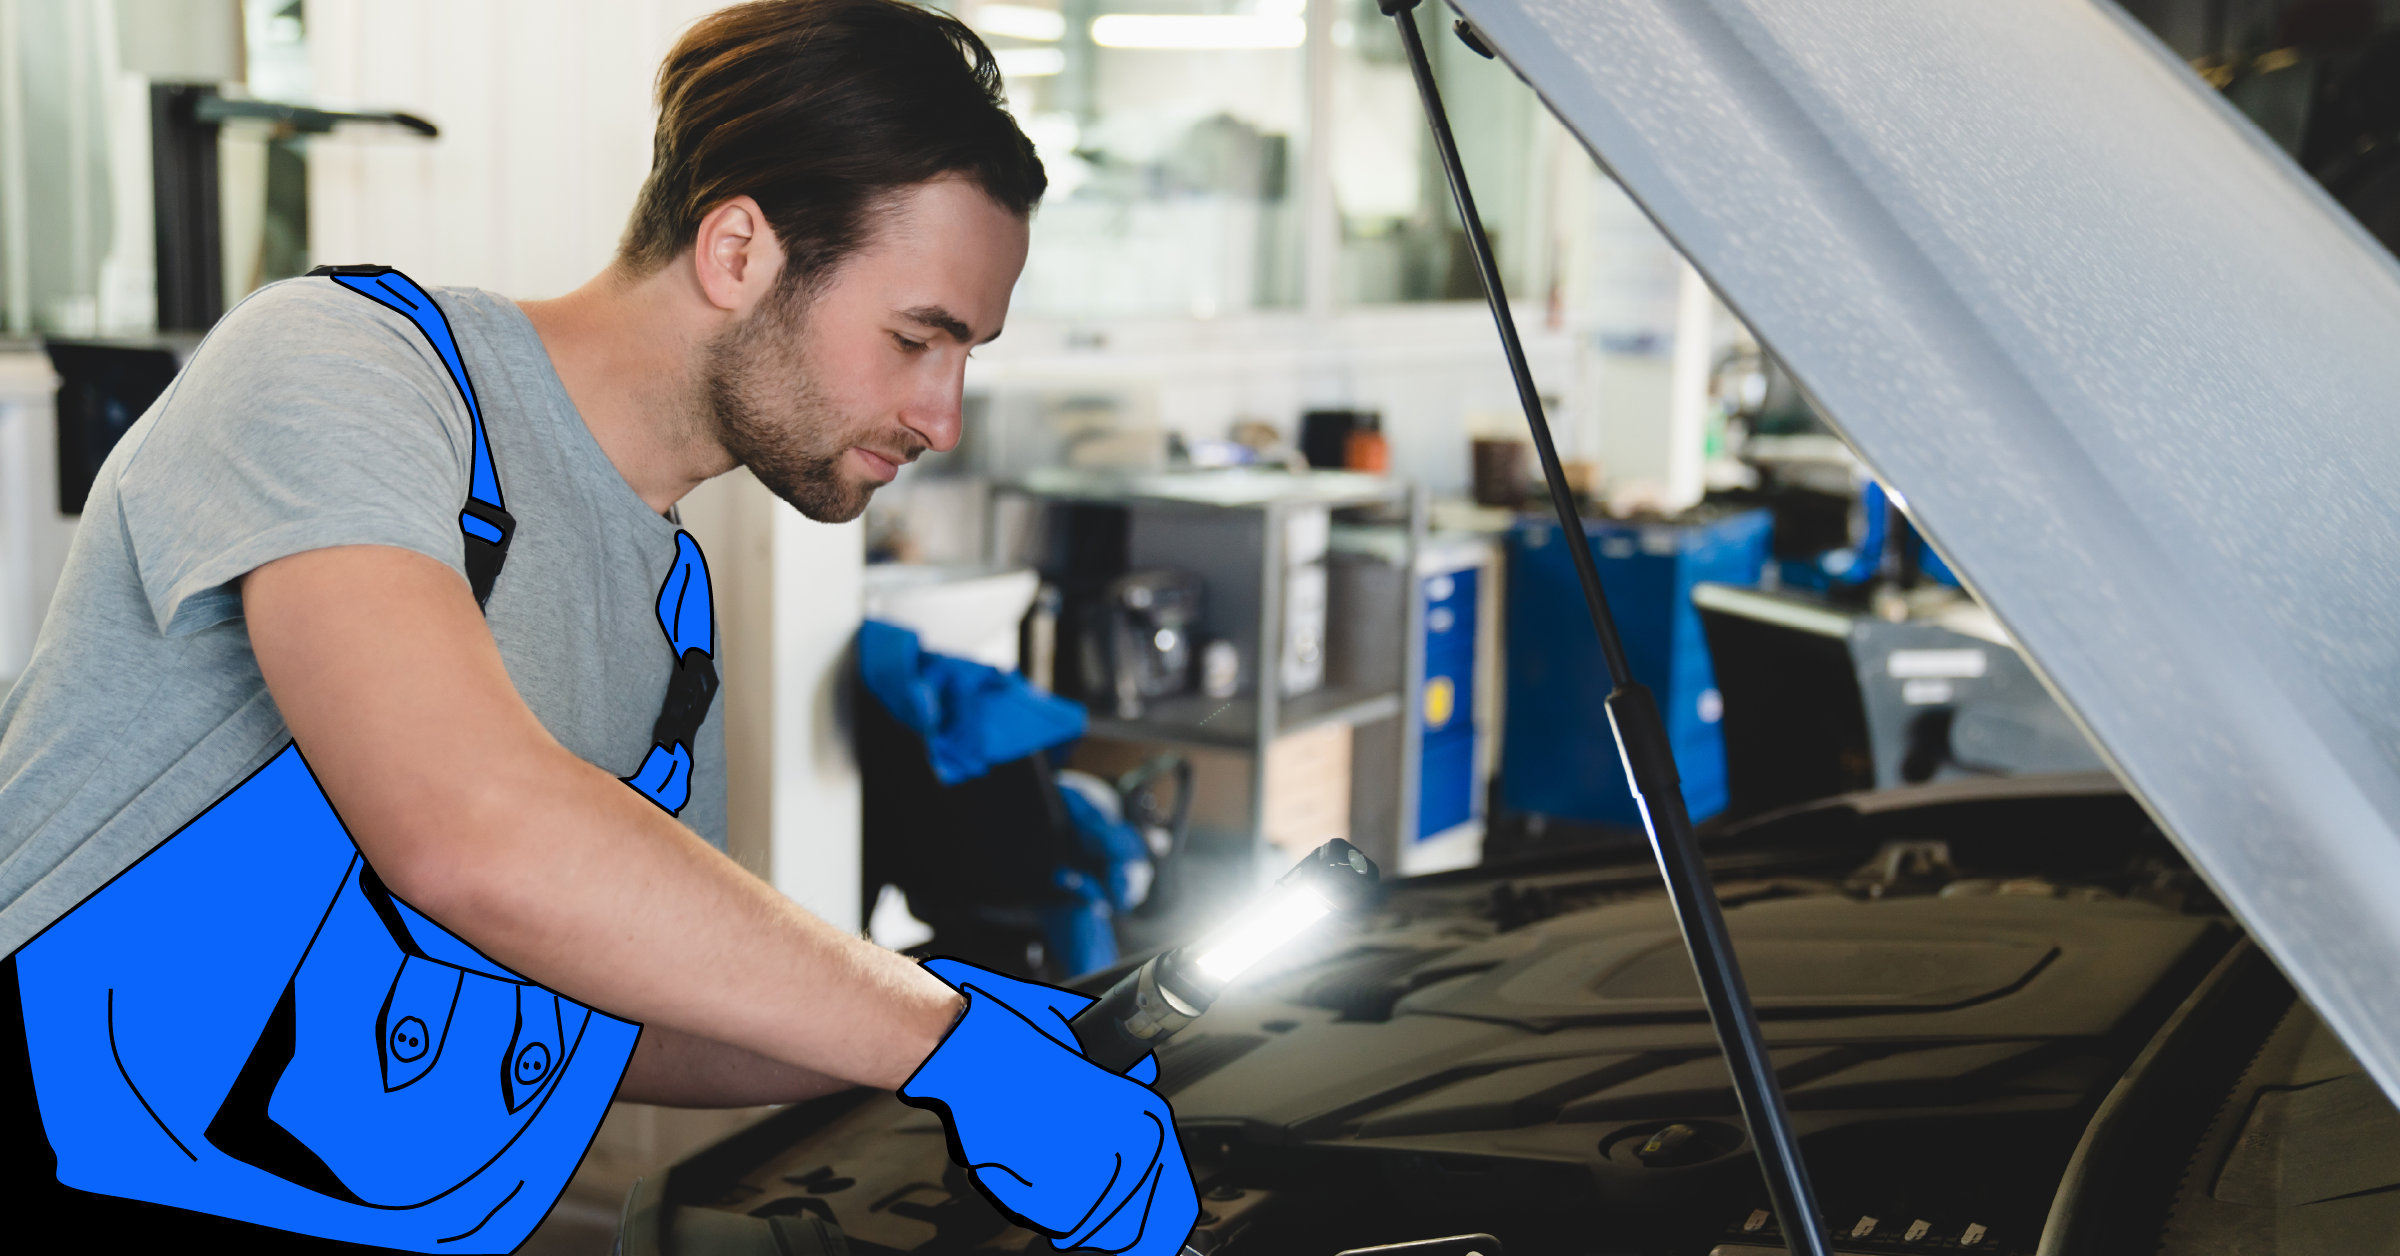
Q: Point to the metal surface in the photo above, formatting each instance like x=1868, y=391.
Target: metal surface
x=2132, y=369
x=1643, y=745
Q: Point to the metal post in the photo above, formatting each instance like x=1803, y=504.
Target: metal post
x=1643, y=748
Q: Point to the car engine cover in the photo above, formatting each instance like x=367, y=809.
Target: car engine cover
x=1529, y=1057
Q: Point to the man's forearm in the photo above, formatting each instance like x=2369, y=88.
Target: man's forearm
x=678, y=1070
x=586, y=887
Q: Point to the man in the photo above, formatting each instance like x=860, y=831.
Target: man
x=276, y=554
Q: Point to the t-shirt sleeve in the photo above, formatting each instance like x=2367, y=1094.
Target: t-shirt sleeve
x=311, y=417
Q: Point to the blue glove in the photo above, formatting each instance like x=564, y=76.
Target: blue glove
x=1032, y=999
x=1063, y=1146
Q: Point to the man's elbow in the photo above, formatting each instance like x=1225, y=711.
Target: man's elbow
x=466, y=855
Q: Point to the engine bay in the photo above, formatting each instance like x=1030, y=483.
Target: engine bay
x=1949, y=981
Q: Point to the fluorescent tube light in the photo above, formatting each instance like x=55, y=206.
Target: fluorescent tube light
x=1020, y=21
x=1029, y=62
x=1197, y=31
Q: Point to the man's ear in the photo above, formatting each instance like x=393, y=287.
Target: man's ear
x=736, y=257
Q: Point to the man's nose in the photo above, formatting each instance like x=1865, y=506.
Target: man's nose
x=939, y=415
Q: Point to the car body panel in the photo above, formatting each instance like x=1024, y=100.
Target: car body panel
x=2133, y=371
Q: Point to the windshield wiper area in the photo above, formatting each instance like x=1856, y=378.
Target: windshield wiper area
x=1642, y=744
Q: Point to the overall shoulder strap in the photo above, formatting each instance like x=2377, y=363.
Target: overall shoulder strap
x=484, y=520
x=685, y=610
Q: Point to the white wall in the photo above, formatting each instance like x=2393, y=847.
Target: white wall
x=546, y=115
x=1623, y=358
x=1427, y=368
x=33, y=535
x=545, y=110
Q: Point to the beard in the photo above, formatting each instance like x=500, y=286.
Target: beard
x=759, y=389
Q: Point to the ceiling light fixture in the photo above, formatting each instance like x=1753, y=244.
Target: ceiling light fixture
x=1020, y=21
x=1029, y=62
x=1197, y=31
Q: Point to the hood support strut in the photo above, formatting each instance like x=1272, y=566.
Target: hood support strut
x=1642, y=744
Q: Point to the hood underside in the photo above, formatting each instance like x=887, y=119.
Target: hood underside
x=2133, y=371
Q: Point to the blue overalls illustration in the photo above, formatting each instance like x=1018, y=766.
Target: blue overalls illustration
x=246, y=1023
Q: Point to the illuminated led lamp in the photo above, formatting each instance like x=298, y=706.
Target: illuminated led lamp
x=1029, y=62
x=1191, y=31
x=1021, y=21
x=1289, y=910
x=1148, y=1005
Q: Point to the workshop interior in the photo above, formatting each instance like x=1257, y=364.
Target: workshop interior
x=1243, y=666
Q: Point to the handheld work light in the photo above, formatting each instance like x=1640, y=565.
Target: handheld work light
x=1150, y=1003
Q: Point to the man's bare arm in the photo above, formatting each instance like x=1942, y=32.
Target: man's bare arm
x=468, y=809
x=678, y=1070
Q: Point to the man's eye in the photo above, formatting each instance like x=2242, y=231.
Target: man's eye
x=908, y=345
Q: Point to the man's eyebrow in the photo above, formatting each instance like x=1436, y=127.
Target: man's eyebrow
x=942, y=320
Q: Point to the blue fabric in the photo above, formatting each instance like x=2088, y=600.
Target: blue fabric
x=665, y=777
x=684, y=610
x=686, y=613
x=475, y=527
x=1061, y=1145
x=404, y=1091
x=1079, y=933
x=1870, y=547
x=1034, y=1000
x=970, y=715
x=397, y=292
x=1114, y=843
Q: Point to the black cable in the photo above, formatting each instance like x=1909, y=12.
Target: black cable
x=1642, y=742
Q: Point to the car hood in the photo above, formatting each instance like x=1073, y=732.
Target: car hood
x=2134, y=373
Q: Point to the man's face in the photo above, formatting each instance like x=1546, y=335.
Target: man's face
x=824, y=399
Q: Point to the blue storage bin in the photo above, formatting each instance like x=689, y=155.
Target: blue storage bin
x=1558, y=757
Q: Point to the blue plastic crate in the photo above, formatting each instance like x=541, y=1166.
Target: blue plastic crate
x=1558, y=757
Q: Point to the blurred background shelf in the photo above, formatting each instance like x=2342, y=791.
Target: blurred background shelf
x=1308, y=739
x=1228, y=723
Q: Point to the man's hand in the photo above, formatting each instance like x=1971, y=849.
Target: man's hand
x=1064, y=1146
x=471, y=811
x=1048, y=1007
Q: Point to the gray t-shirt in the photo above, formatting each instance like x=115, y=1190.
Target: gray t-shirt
x=313, y=417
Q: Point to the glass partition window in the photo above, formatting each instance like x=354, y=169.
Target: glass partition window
x=1168, y=128
x=1177, y=132
x=1400, y=235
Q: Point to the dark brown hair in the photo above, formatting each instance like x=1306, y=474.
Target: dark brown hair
x=820, y=110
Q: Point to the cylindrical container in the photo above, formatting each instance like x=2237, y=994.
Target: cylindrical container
x=1500, y=473
x=1366, y=449
x=1220, y=669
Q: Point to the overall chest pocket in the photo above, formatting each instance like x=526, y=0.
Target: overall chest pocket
x=398, y=1062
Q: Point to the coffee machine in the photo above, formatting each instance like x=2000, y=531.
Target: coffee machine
x=1136, y=640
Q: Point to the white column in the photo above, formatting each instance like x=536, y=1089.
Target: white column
x=1320, y=216
x=33, y=536
x=16, y=247
x=1687, y=408
x=789, y=597
x=819, y=580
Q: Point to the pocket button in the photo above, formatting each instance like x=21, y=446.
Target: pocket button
x=409, y=1040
